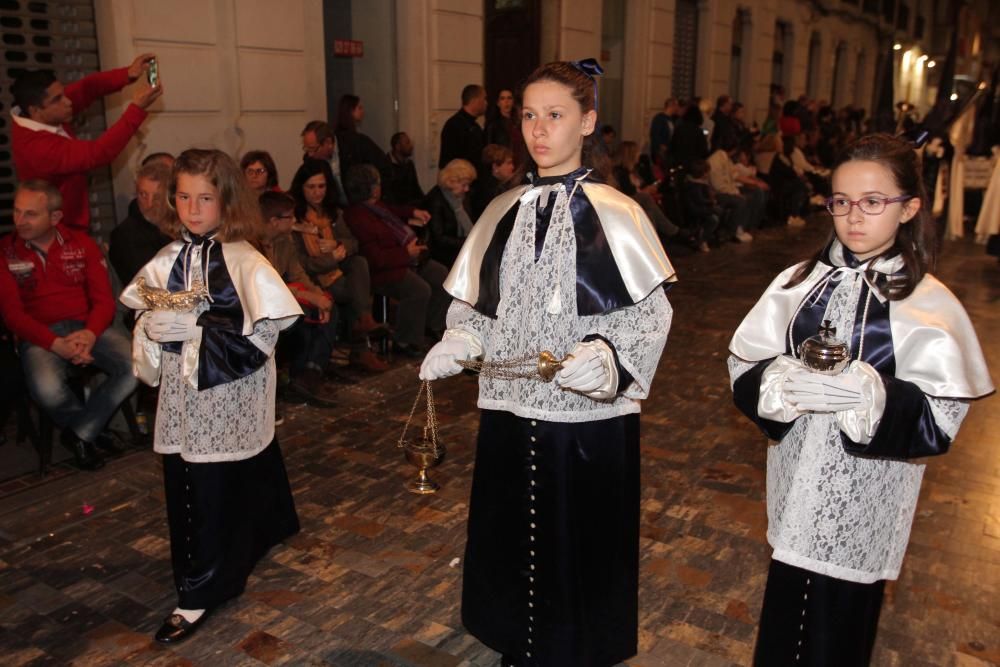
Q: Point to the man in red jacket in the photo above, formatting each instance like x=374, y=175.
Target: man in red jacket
x=55, y=296
x=43, y=142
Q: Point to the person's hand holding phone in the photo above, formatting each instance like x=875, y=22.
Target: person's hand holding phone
x=145, y=95
x=140, y=65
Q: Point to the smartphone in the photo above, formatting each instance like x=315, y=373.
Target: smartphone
x=153, y=74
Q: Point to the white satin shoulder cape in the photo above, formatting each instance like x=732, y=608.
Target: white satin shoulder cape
x=631, y=237
x=934, y=344
x=262, y=293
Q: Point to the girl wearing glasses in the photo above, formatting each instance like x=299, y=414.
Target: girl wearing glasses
x=842, y=473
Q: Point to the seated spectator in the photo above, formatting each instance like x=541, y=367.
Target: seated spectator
x=449, y=223
x=745, y=174
x=320, y=143
x=768, y=146
x=496, y=172
x=770, y=126
x=141, y=235
x=166, y=159
x=630, y=183
x=701, y=211
x=329, y=253
x=400, y=266
x=789, y=123
x=744, y=134
x=355, y=147
x=261, y=173
x=745, y=209
x=790, y=189
x=400, y=184
x=42, y=138
x=55, y=296
x=818, y=178
x=315, y=333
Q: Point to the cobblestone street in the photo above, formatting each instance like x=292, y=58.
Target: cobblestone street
x=373, y=577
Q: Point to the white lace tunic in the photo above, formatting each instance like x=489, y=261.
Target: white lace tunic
x=228, y=422
x=831, y=512
x=537, y=311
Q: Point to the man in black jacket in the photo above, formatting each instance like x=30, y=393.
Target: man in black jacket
x=138, y=237
x=461, y=136
x=401, y=185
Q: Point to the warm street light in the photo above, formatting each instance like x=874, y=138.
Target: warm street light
x=931, y=63
x=954, y=96
x=897, y=46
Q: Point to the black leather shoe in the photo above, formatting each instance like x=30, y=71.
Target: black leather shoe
x=86, y=455
x=106, y=442
x=176, y=628
x=302, y=392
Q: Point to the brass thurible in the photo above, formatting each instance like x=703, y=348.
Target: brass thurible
x=426, y=452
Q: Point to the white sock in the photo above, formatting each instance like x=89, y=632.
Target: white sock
x=190, y=615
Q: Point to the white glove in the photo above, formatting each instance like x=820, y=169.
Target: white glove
x=442, y=359
x=815, y=392
x=772, y=400
x=168, y=326
x=591, y=371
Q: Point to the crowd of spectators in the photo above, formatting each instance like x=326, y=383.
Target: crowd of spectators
x=720, y=178
x=353, y=233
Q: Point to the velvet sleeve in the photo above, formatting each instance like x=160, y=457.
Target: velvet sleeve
x=746, y=394
x=908, y=428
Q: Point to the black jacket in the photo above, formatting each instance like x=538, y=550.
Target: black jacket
x=461, y=137
x=443, y=229
x=133, y=243
x=688, y=144
x=356, y=148
x=401, y=185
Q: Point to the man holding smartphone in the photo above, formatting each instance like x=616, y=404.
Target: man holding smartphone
x=42, y=139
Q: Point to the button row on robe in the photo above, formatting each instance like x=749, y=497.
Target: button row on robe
x=531, y=538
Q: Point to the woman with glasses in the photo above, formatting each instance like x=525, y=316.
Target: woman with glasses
x=259, y=170
x=843, y=474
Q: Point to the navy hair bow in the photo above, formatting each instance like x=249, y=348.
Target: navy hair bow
x=591, y=68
